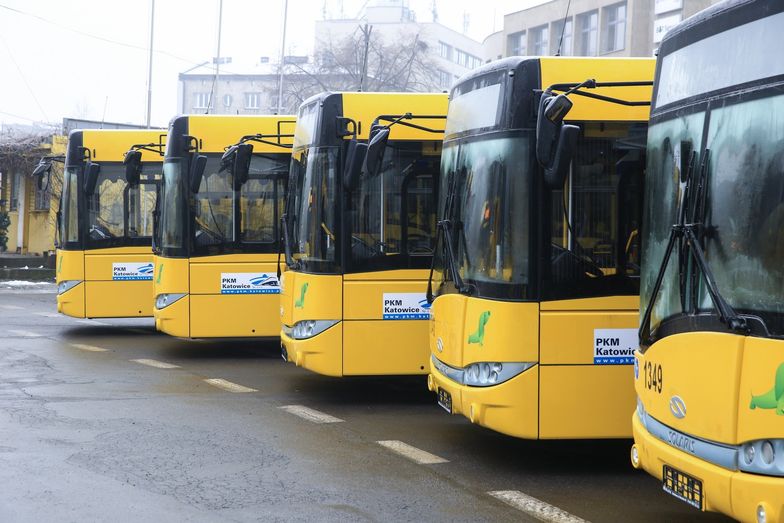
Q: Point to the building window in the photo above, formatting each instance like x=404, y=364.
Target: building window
x=16, y=182
x=539, y=44
x=202, y=101
x=556, y=30
x=43, y=197
x=517, y=44
x=445, y=50
x=252, y=100
x=444, y=79
x=613, y=27
x=227, y=100
x=586, y=37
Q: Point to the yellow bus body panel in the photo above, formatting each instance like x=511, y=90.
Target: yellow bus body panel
x=557, y=70
x=364, y=108
x=110, y=145
x=207, y=313
x=100, y=296
x=558, y=337
x=717, y=376
x=70, y=267
x=215, y=132
x=172, y=276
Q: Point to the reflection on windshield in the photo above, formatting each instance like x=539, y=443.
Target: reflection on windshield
x=313, y=186
x=171, y=228
x=486, y=197
x=213, y=210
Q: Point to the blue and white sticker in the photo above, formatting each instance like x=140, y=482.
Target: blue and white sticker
x=249, y=283
x=132, y=271
x=405, y=306
x=614, y=346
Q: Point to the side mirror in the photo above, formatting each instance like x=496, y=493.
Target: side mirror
x=43, y=168
x=375, y=151
x=552, y=110
x=555, y=174
x=133, y=167
x=355, y=157
x=198, y=163
x=240, y=168
x=91, y=172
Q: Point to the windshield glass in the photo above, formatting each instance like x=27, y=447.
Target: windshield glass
x=393, y=212
x=213, y=207
x=486, y=196
x=118, y=213
x=311, y=208
x=69, y=206
x=744, y=210
x=261, y=198
x=172, y=225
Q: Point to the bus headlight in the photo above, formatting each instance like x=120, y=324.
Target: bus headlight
x=486, y=374
x=164, y=300
x=305, y=329
x=764, y=456
x=67, y=285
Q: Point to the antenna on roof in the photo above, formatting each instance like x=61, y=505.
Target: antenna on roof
x=434, y=10
x=563, y=28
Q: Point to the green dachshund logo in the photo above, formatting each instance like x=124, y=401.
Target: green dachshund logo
x=298, y=304
x=479, y=335
x=774, y=398
x=160, y=273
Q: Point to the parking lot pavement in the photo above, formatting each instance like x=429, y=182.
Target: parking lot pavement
x=109, y=420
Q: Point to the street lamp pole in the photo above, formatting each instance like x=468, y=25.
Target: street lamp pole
x=282, y=56
x=149, y=71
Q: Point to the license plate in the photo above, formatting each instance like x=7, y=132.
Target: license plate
x=445, y=400
x=682, y=486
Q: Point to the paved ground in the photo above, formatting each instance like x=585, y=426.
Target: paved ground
x=89, y=434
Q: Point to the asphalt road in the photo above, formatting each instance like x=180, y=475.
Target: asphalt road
x=89, y=434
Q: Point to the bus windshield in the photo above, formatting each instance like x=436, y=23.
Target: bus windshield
x=486, y=198
x=118, y=213
x=744, y=211
x=311, y=208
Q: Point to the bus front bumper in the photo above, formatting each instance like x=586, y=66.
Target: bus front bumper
x=322, y=354
x=71, y=301
x=174, y=319
x=737, y=494
x=510, y=407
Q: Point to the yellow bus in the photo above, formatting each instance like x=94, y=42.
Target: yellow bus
x=709, y=372
x=358, y=233
x=105, y=224
x=216, y=241
x=536, y=273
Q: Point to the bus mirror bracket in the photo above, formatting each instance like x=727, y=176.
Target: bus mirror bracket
x=198, y=163
x=555, y=173
x=91, y=172
x=240, y=167
x=133, y=166
x=375, y=151
x=355, y=158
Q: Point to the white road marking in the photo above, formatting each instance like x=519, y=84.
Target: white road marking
x=310, y=414
x=48, y=314
x=157, y=364
x=25, y=334
x=88, y=348
x=535, y=508
x=228, y=386
x=11, y=307
x=414, y=454
x=92, y=322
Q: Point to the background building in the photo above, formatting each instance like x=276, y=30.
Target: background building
x=405, y=55
x=590, y=28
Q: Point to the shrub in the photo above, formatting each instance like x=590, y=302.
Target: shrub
x=5, y=221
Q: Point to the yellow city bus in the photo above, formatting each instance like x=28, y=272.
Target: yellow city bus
x=358, y=233
x=105, y=224
x=709, y=372
x=536, y=273
x=216, y=241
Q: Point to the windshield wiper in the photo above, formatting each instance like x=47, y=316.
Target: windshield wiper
x=290, y=261
x=689, y=235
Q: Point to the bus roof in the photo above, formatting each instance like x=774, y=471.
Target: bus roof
x=216, y=132
x=110, y=145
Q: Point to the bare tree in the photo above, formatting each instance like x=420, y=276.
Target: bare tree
x=339, y=64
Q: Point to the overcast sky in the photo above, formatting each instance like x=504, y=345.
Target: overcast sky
x=88, y=58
